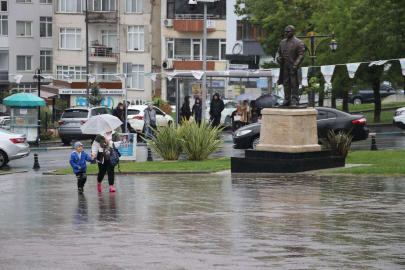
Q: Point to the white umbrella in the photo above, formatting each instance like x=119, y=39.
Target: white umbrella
x=246, y=96
x=100, y=123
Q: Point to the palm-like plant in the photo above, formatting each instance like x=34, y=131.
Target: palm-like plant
x=338, y=142
x=166, y=142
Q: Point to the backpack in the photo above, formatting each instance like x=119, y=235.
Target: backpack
x=115, y=157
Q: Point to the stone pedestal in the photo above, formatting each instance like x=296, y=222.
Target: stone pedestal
x=289, y=131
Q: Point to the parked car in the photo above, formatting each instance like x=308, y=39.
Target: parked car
x=327, y=119
x=399, y=118
x=73, y=118
x=136, y=122
x=5, y=123
x=367, y=96
x=12, y=146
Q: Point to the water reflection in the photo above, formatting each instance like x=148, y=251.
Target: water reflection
x=81, y=215
x=107, y=208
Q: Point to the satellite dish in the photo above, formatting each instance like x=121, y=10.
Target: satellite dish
x=237, y=49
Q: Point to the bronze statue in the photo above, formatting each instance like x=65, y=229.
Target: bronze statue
x=290, y=54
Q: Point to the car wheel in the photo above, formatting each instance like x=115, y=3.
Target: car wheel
x=357, y=101
x=228, y=121
x=255, y=142
x=66, y=141
x=170, y=123
x=3, y=159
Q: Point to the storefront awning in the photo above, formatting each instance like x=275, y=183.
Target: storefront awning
x=45, y=95
x=225, y=73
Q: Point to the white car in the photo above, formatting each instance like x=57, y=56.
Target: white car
x=12, y=146
x=5, y=122
x=230, y=107
x=136, y=114
x=399, y=118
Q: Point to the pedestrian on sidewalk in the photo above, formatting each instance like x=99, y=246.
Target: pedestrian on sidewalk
x=246, y=114
x=119, y=113
x=216, y=107
x=185, y=109
x=150, y=121
x=100, y=150
x=78, y=162
x=197, y=111
x=236, y=116
x=255, y=115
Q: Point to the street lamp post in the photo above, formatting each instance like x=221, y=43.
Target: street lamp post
x=312, y=41
x=37, y=79
x=87, y=57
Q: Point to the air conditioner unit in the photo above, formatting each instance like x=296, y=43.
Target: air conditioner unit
x=168, y=23
x=167, y=64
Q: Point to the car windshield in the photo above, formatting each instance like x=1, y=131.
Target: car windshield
x=133, y=112
x=75, y=114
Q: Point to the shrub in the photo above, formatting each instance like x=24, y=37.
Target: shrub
x=45, y=136
x=166, y=142
x=338, y=142
x=200, y=141
x=163, y=105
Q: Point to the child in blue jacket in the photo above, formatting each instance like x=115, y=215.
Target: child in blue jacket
x=78, y=162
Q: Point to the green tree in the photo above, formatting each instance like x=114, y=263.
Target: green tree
x=96, y=97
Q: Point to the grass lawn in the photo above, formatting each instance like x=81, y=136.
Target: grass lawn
x=370, y=106
x=385, y=117
x=384, y=162
x=213, y=164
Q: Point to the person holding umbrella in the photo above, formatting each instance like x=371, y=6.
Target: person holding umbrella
x=246, y=113
x=107, y=140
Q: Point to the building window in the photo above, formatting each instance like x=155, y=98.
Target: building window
x=212, y=49
x=3, y=25
x=109, y=38
x=133, y=6
x=70, y=6
x=137, y=80
x=3, y=60
x=109, y=74
x=46, y=60
x=27, y=88
x=45, y=27
x=222, y=44
x=136, y=38
x=24, y=29
x=104, y=5
x=70, y=38
x=4, y=5
x=77, y=73
x=191, y=49
x=216, y=10
x=245, y=31
x=24, y=62
x=182, y=49
x=170, y=48
x=23, y=1
x=46, y=1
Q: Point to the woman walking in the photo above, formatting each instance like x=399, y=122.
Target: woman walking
x=246, y=114
x=185, y=109
x=236, y=116
x=100, y=150
x=197, y=111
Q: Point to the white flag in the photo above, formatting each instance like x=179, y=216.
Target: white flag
x=68, y=77
x=305, y=76
x=327, y=72
x=170, y=75
x=92, y=78
x=352, y=68
x=224, y=72
x=378, y=63
x=402, y=61
x=48, y=77
x=151, y=76
x=121, y=77
x=276, y=74
x=197, y=74
x=17, y=78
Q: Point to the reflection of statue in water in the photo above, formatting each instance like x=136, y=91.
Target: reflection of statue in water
x=290, y=54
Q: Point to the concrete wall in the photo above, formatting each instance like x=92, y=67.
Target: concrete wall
x=231, y=22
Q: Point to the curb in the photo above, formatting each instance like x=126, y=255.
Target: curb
x=382, y=109
x=140, y=172
x=70, y=147
x=12, y=172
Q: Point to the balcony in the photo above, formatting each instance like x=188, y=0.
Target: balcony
x=103, y=54
x=192, y=65
x=103, y=16
x=193, y=23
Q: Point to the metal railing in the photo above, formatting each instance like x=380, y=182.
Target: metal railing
x=103, y=51
x=192, y=17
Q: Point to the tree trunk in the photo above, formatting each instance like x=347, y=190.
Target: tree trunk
x=309, y=98
x=377, y=100
x=333, y=99
x=346, y=101
x=320, y=102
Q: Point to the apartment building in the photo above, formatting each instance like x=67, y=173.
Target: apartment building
x=25, y=41
x=119, y=32
x=182, y=34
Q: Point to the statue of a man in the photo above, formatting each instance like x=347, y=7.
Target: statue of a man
x=290, y=54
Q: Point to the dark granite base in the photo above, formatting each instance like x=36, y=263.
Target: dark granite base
x=276, y=162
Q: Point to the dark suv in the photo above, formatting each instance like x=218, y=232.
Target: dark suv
x=367, y=96
x=73, y=118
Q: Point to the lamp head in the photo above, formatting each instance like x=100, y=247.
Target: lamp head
x=192, y=4
x=333, y=45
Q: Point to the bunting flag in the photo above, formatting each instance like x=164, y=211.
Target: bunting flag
x=224, y=72
x=92, y=78
x=327, y=72
x=402, y=61
x=121, y=77
x=68, y=77
x=17, y=78
x=276, y=74
x=197, y=74
x=378, y=63
x=170, y=75
x=151, y=76
x=352, y=68
x=48, y=77
x=305, y=76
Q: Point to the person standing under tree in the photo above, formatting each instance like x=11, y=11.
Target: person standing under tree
x=216, y=108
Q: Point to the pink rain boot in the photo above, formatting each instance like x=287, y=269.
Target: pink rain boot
x=99, y=188
x=112, y=189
